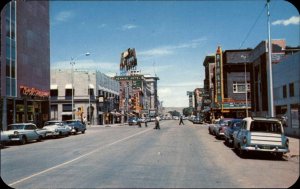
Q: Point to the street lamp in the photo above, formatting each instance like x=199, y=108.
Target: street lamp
x=246, y=85
x=72, y=64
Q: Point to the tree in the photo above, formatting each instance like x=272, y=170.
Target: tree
x=187, y=111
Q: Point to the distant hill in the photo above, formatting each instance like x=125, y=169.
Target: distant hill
x=178, y=109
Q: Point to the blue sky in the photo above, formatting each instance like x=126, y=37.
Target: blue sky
x=171, y=38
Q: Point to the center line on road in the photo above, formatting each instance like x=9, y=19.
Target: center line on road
x=79, y=157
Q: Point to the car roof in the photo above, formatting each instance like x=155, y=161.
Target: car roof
x=261, y=119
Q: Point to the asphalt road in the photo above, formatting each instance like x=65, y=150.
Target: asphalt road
x=128, y=156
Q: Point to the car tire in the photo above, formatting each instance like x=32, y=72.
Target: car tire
x=83, y=131
x=40, y=139
x=23, y=140
x=241, y=152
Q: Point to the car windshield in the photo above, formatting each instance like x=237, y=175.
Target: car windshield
x=52, y=123
x=265, y=126
x=15, y=127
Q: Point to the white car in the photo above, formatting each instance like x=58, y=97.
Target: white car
x=57, y=128
x=24, y=132
x=4, y=139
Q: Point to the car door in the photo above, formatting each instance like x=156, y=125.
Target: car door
x=241, y=132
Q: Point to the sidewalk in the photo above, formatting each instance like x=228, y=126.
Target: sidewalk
x=294, y=147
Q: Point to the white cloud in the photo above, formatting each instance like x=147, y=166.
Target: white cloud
x=295, y=20
x=174, y=94
x=170, y=49
x=128, y=27
x=64, y=16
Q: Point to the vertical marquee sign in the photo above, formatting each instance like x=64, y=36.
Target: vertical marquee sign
x=219, y=76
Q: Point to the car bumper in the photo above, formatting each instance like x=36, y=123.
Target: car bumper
x=265, y=149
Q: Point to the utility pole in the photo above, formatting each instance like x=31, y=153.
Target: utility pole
x=269, y=68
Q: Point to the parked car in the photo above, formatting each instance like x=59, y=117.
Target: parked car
x=24, y=132
x=4, y=139
x=198, y=120
x=76, y=126
x=233, y=125
x=132, y=121
x=220, y=127
x=57, y=128
x=212, y=126
x=262, y=135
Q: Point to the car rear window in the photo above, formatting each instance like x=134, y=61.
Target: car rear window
x=265, y=126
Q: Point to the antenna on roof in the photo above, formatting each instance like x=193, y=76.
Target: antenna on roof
x=154, y=68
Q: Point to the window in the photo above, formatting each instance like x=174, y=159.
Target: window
x=69, y=92
x=54, y=92
x=284, y=91
x=67, y=108
x=291, y=88
x=91, y=92
x=239, y=87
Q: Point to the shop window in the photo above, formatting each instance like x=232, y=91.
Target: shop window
x=291, y=89
x=284, y=91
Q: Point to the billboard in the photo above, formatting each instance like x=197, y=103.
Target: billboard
x=128, y=61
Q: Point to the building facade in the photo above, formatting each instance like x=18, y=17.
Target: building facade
x=287, y=92
x=95, y=96
x=25, y=62
x=231, y=84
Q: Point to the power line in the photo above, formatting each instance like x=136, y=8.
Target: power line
x=253, y=26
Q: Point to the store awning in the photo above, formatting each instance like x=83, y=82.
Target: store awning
x=91, y=86
x=53, y=87
x=68, y=86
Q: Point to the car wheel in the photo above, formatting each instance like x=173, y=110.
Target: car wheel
x=40, y=139
x=279, y=155
x=83, y=131
x=241, y=152
x=23, y=140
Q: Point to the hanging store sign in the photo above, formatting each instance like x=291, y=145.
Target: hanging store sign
x=33, y=92
x=219, y=75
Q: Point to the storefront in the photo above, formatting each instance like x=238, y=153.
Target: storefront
x=31, y=106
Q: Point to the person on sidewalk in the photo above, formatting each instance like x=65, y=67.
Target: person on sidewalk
x=181, y=121
x=157, y=123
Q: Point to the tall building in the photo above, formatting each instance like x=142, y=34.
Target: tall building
x=25, y=62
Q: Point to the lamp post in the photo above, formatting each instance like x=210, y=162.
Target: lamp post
x=72, y=64
x=246, y=84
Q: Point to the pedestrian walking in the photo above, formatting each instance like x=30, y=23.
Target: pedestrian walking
x=157, y=123
x=181, y=121
x=139, y=122
x=146, y=122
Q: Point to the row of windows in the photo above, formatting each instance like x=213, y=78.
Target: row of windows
x=291, y=90
x=239, y=87
x=10, y=48
x=68, y=92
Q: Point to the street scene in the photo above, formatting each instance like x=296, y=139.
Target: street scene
x=176, y=156
x=150, y=94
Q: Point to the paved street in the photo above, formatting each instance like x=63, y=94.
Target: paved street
x=128, y=156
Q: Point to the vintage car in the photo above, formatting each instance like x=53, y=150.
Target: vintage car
x=233, y=125
x=132, y=121
x=24, y=132
x=220, y=127
x=76, y=126
x=261, y=134
x=4, y=139
x=57, y=128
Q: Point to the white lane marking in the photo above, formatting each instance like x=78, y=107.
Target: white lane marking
x=79, y=157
